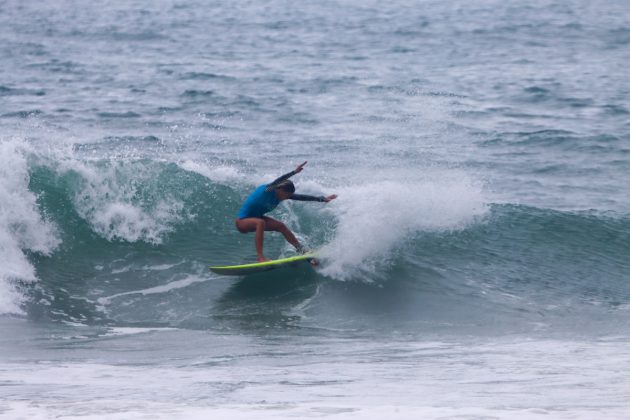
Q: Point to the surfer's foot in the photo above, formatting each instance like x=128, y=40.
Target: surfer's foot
x=301, y=250
x=262, y=259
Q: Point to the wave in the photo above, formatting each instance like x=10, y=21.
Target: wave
x=23, y=228
x=129, y=240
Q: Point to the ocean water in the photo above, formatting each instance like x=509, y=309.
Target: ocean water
x=476, y=264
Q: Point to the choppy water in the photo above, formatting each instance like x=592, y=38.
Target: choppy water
x=476, y=263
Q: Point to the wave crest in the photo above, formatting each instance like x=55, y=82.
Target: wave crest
x=22, y=226
x=373, y=219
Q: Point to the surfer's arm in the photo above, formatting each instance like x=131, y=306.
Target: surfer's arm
x=321, y=199
x=275, y=183
x=284, y=177
x=303, y=197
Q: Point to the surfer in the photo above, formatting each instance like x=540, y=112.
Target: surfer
x=251, y=217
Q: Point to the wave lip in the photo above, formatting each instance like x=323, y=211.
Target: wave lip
x=22, y=227
x=122, y=200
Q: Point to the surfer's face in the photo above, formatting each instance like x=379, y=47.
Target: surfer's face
x=283, y=195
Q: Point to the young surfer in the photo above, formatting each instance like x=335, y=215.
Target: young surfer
x=251, y=217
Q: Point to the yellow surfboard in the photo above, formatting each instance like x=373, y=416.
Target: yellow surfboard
x=244, y=269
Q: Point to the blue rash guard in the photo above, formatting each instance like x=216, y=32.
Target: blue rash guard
x=264, y=199
x=259, y=202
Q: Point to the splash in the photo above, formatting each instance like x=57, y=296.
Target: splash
x=374, y=219
x=121, y=199
x=217, y=173
x=22, y=228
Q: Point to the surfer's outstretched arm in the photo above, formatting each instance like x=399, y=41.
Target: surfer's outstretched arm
x=284, y=177
x=304, y=197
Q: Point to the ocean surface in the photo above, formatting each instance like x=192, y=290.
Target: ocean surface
x=476, y=264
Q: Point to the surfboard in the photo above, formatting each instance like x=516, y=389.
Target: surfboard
x=244, y=269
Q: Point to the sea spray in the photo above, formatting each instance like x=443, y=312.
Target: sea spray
x=123, y=199
x=376, y=217
x=22, y=225
x=217, y=173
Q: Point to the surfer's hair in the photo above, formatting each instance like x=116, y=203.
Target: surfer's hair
x=286, y=186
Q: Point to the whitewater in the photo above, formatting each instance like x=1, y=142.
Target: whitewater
x=475, y=265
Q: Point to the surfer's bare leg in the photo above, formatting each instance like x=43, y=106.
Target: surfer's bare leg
x=254, y=224
x=278, y=226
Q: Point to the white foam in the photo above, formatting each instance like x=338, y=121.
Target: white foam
x=21, y=225
x=159, y=267
x=244, y=379
x=119, y=331
x=129, y=409
x=374, y=218
x=109, y=196
x=164, y=288
x=218, y=173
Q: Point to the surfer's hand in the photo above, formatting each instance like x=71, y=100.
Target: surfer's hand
x=330, y=198
x=300, y=167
